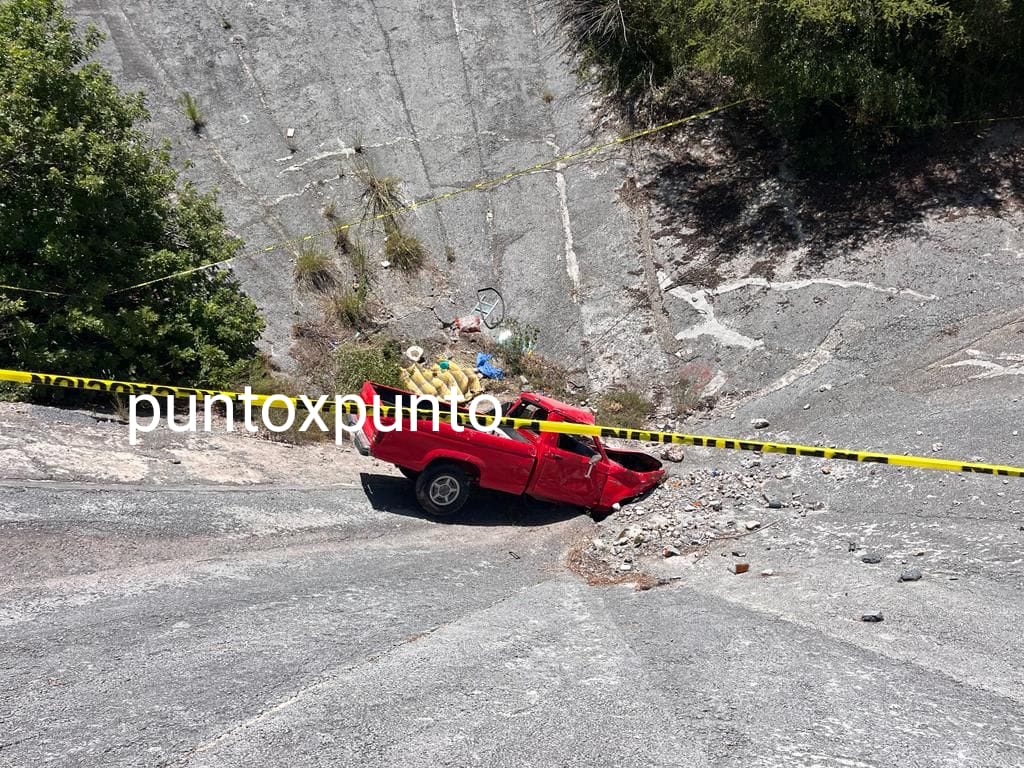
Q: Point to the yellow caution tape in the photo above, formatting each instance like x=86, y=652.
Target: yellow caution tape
x=475, y=187
x=568, y=428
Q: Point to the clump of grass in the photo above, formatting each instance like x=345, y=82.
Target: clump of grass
x=314, y=270
x=449, y=254
x=382, y=196
x=686, y=392
x=342, y=240
x=330, y=211
x=348, y=308
x=377, y=361
x=360, y=264
x=404, y=250
x=624, y=408
x=192, y=112
x=517, y=349
x=261, y=375
x=264, y=378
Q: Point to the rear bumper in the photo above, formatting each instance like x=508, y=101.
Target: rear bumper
x=361, y=443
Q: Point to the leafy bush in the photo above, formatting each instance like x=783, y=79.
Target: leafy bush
x=88, y=208
x=405, y=251
x=314, y=270
x=857, y=67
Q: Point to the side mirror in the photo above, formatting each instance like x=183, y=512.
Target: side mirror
x=590, y=465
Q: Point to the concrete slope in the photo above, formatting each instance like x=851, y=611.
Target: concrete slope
x=442, y=95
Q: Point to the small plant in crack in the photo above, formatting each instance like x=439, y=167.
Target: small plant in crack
x=547, y=96
x=360, y=264
x=330, y=211
x=192, y=112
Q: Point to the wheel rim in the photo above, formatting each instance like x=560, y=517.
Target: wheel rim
x=444, y=490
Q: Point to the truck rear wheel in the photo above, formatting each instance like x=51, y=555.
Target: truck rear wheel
x=442, y=489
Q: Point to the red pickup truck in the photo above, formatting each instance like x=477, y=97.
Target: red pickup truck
x=446, y=465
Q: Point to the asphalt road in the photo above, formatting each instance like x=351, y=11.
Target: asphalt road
x=261, y=627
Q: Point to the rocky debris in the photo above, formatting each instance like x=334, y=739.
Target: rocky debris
x=673, y=453
x=689, y=512
x=872, y=616
x=767, y=572
x=739, y=568
x=759, y=423
x=911, y=574
x=871, y=558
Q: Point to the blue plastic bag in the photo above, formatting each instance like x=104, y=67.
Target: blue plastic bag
x=486, y=368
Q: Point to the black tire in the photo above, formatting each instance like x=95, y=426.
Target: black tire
x=412, y=474
x=442, y=489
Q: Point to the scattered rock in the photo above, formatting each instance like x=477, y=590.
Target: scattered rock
x=826, y=470
x=625, y=567
x=872, y=616
x=658, y=521
x=936, y=447
x=871, y=558
x=739, y=568
x=752, y=525
x=775, y=503
x=767, y=572
x=911, y=574
x=759, y=423
x=673, y=453
x=671, y=551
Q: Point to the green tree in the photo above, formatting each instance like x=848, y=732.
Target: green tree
x=864, y=65
x=88, y=207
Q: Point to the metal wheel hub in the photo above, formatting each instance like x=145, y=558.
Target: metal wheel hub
x=444, y=490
